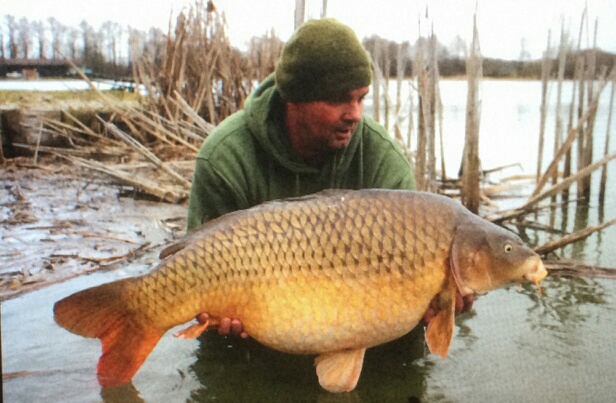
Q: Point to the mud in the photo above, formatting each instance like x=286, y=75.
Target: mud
x=58, y=221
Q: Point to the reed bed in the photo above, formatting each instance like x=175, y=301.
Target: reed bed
x=198, y=79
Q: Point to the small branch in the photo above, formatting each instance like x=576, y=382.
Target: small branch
x=106, y=259
x=571, y=238
x=578, y=269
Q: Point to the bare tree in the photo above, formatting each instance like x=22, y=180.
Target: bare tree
x=39, y=29
x=2, y=47
x=72, y=37
x=57, y=31
x=111, y=35
x=12, y=32
x=25, y=37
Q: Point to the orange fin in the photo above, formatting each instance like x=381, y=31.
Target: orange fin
x=100, y=312
x=339, y=371
x=192, y=331
x=124, y=350
x=440, y=328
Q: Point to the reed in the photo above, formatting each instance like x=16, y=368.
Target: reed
x=471, y=164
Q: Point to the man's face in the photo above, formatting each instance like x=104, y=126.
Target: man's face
x=329, y=125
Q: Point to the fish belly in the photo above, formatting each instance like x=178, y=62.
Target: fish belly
x=321, y=312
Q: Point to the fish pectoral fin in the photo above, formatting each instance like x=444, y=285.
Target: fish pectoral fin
x=440, y=328
x=339, y=371
x=192, y=331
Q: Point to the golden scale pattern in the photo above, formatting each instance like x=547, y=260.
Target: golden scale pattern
x=324, y=266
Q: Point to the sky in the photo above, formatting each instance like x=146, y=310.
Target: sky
x=506, y=27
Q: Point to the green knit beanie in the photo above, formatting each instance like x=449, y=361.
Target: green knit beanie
x=321, y=61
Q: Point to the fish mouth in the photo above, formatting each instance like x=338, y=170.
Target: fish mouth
x=536, y=274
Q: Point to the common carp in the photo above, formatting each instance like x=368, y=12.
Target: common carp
x=330, y=274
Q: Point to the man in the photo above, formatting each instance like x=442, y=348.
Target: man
x=300, y=132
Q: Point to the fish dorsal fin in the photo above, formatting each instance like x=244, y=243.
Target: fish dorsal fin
x=440, y=328
x=339, y=371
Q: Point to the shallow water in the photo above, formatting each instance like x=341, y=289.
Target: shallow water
x=514, y=345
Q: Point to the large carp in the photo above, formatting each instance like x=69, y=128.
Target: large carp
x=330, y=274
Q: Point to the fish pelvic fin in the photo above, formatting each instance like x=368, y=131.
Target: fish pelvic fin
x=440, y=328
x=339, y=371
x=100, y=312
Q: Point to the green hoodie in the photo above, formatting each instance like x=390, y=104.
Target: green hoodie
x=248, y=160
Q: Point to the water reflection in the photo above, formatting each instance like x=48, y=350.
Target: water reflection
x=231, y=369
x=562, y=314
x=121, y=394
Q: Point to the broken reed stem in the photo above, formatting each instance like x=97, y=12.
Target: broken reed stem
x=470, y=168
x=376, y=85
x=573, y=133
x=568, y=181
x=564, y=267
x=137, y=146
x=546, y=67
x=603, y=182
x=399, y=79
x=571, y=238
x=147, y=186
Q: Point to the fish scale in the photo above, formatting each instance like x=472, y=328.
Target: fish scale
x=330, y=274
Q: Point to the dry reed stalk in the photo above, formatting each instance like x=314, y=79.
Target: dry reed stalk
x=571, y=238
x=583, y=173
x=587, y=154
x=563, y=267
x=471, y=164
x=434, y=100
x=386, y=104
x=145, y=185
x=376, y=82
x=300, y=12
x=558, y=126
x=546, y=67
x=140, y=148
x=422, y=84
x=60, y=127
x=573, y=134
x=401, y=59
x=603, y=182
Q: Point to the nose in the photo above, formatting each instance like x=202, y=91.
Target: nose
x=353, y=110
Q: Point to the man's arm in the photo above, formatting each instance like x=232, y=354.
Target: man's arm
x=210, y=195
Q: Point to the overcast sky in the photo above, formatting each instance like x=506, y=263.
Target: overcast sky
x=503, y=24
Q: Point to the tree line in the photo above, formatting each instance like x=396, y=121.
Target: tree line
x=112, y=50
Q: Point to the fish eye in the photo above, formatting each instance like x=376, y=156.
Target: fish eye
x=508, y=248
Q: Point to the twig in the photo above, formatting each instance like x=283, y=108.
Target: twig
x=579, y=269
x=582, y=173
x=143, y=150
x=105, y=259
x=571, y=238
x=143, y=184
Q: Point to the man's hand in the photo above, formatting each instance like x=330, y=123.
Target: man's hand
x=231, y=326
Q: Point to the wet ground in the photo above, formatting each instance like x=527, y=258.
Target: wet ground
x=58, y=224
x=58, y=221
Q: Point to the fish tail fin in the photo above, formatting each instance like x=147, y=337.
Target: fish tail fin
x=100, y=312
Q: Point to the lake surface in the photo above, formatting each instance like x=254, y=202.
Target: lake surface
x=514, y=346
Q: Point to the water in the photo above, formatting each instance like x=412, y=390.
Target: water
x=513, y=346
x=54, y=85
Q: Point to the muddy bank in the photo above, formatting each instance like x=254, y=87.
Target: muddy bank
x=58, y=221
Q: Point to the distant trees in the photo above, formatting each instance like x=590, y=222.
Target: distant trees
x=112, y=50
